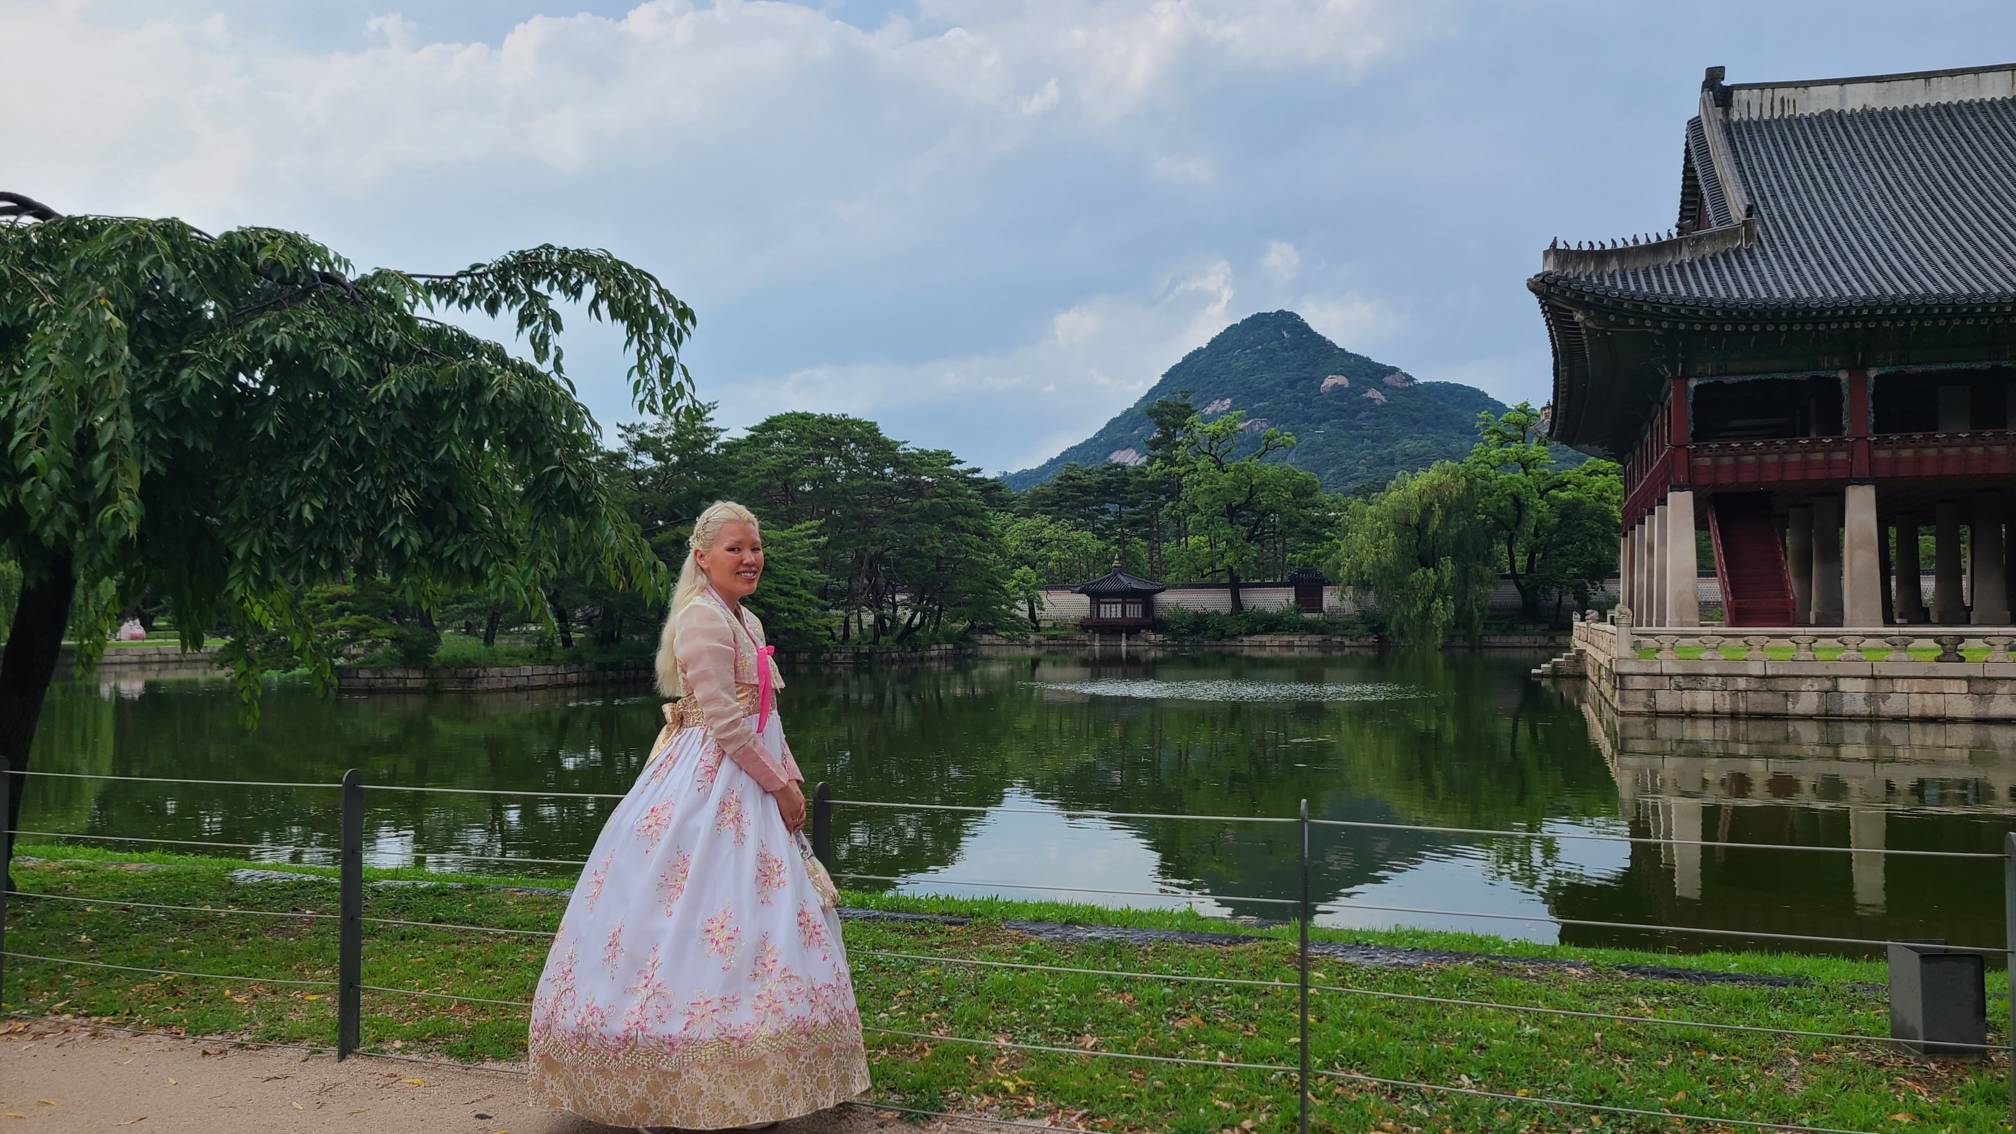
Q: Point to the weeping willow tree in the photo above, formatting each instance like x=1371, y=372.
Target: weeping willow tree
x=227, y=419
x=1417, y=553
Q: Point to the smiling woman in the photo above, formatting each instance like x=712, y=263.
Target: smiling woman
x=696, y=880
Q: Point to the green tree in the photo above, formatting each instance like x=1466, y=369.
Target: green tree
x=795, y=615
x=1123, y=506
x=1420, y=556
x=1554, y=529
x=230, y=419
x=1235, y=510
x=1046, y=551
x=910, y=543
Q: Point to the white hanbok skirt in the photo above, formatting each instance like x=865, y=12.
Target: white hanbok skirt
x=697, y=979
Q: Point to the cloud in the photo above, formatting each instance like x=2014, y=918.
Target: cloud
x=1022, y=405
x=1282, y=260
x=566, y=92
x=986, y=225
x=1351, y=320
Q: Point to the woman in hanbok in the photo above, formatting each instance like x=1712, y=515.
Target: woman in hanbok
x=697, y=980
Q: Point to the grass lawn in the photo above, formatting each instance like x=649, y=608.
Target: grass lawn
x=159, y=641
x=1830, y=1083
x=1737, y=651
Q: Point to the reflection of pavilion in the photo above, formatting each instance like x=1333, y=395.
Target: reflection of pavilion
x=1669, y=770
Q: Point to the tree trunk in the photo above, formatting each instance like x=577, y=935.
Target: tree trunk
x=490, y=623
x=427, y=621
x=1238, y=602
x=27, y=667
x=565, y=623
x=1034, y=624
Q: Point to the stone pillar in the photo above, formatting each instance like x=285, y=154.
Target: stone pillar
x=1885, y=581
x=1626, y=561
x=1655, y=537
x=1865, y=835
x=1684, y=822
x=1799, y=561
x=1682, y=598
x=1910, y=573
x=1988, y=575
x=1861, y=559
x=1827, y=561
x=1642, y=613
x=1947, y=607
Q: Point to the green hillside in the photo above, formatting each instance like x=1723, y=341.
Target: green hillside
x=1356, y=421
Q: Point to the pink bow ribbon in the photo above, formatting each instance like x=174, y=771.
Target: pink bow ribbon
x=763, y=691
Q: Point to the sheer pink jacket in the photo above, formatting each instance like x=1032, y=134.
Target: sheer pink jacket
x=718, y=656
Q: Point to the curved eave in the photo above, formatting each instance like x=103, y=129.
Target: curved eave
x=1586, y=402
x=1791, y=311
x=1567, y=423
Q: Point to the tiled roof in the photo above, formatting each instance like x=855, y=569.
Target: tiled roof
x=1119, y=582
x=1882, y=205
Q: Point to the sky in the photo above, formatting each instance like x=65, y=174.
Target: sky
x=987, y=225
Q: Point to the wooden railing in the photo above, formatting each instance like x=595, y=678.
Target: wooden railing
x=1981, y=452
x=1723, y=464
x=1792, y=460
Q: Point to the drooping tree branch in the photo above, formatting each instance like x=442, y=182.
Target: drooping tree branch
x=19, y=205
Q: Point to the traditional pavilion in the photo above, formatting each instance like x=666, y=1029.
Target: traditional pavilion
x=1120, y=602
x=1817, y=356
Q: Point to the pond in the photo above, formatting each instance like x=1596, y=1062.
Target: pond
x=1457, y=741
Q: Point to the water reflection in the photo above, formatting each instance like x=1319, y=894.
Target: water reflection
x=1866, y=787
x=1032, y=851
x=1453, y=742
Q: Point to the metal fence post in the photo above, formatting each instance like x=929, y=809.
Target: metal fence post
x=822, y=824
x=6, y=870
x=350, y=924
x=2009, y=943
x=1302, y=955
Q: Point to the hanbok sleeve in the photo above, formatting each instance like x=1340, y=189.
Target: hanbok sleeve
x=791, y=771
x=706, y=654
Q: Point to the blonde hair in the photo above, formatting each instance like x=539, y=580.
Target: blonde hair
x=706, y=532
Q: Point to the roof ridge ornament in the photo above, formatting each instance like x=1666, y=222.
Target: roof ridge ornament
x=1713, y=88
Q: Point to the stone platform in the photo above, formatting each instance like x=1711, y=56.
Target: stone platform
x=1948, y=673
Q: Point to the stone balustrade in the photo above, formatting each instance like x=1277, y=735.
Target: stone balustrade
x=1829, y=646
x=1959, y=673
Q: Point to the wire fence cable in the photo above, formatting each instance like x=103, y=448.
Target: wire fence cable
x=1418, y=998
x=159, y=906
x=171, y=972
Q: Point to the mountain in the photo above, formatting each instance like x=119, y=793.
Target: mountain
x=1355, y=421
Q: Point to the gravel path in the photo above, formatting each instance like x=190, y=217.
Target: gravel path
x=57, y=1076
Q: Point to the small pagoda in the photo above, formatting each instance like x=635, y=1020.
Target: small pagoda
x=1119, y=602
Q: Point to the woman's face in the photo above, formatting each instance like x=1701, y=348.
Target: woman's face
x=735, y=562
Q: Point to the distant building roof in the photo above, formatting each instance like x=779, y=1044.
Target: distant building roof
x=1860, y=192
x=1118, y=582
x=1822, y=201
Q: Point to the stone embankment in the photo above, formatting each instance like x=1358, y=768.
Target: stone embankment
x=488, y=679
x=1942, y=673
